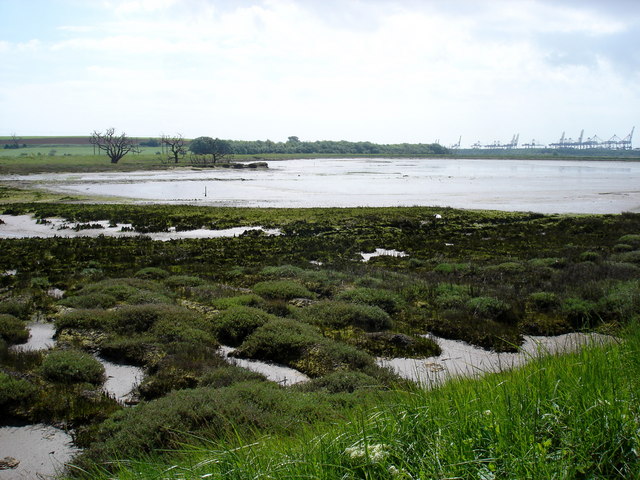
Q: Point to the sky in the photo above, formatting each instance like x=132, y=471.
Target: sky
x=386, y=71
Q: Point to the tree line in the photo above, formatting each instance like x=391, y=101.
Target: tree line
x=207, y=149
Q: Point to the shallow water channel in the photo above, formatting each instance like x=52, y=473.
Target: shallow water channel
x=42, y=450
x=546, y=186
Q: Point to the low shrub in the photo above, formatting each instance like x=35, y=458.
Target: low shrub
x=490, y=308
x=622, y=247
x=147, y=297
x=235, y=324
x=72, y=366
x=333, y=314
x=140, y=318
x=282, y=340
x=389, y=344
x=229, y=375
x=18, y=306
x=91, y=319
x=451, y=295
x=166, y=423
x=134, y=349
x=14, y=392
x=589, y=256
x=12, y=329
x=183, y=281
x=580, y=313
x=340, y=381
x=328, y=356
x=543, y=301
x=384, y=299
x=449, y=268
x=89, y=300
x=631, y=239
x=189, y=330
x=248, y=300
x=627, y=257
x=282, y=289
x=152, y=273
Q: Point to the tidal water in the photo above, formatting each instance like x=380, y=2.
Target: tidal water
x=546, y=186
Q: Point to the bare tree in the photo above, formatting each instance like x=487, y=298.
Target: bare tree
x=176, y=145
x=115, y=146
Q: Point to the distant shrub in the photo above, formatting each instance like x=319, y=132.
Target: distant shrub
x=384, y=299
x=340, y=381
x=580, y=312
x=140, y=318
x=116, y=288
x=171, y=329
x=552, y=262
x=229, y=375
x=506, y=268
x=281, y=340
x=589, y=256
x=72, y=366
x=19, y=306
x=145, y=297
x=343, y=314
x=183, y=281
x=133, y=349
x=248, y=300
x=390, y=344
x=621, y=302
x=91, y=319
x=152, y=273
x=544, y=301
x=282, y=289
x=622, y=247
x=450, y=295
x=449, y=268
x=14, y=391
x=328, y=356
x=12, y=329
x=236, y=323
x=489, y=307
x=628, y=257
x=631, y=239
x=89, y=300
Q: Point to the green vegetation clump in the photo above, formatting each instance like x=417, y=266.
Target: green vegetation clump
x=236, y=323
x=152, y=273
x=15, y=392
x=71, y=366
x=384, y=299
x=90, y=300
x=341, y=381
x=340, y=314
x=12, y=329
x=282, y=290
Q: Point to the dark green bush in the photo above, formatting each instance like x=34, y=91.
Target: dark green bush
x=389, y=344
x=12, y=329
x=167, y=423
x=89, y=300
x=631, y=239
x=248, y=300
x=450, y=295
x=282, y=289
x=589, y=256
x=628, y=257
x=140, y=318
x=340, y=381
x=183, y=281
x=449, y=268
x=18, y=306
x=544, y=301
x=490, y=308
x=342, y=314
x=14, y=392
x=133, y=349
x=235, y=324
x=328, y=356
x=281, y=340
x=622, y=247
x=579, y=312
x=91, y=319
x=147, y=297
x=229, y=375
x=72, y=366
x=152, y=273
x=384, y=299
x=190, y=330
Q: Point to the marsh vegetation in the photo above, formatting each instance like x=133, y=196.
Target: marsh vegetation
x=306, y=300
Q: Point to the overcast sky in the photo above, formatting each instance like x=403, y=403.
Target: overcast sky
x=387, y=71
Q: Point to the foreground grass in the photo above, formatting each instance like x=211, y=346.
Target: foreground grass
x=561, y=417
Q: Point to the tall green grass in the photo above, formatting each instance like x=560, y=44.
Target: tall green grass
x=560, y=417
